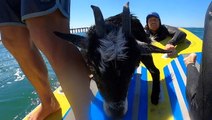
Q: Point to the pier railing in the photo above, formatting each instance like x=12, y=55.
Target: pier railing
x=72, y=30
x=78, y=30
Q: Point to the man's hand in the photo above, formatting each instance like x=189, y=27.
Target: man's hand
x=172, y=48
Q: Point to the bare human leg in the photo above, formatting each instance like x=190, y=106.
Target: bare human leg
x=65, y=59
x=32, y=64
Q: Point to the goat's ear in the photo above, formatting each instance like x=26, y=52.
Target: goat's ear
x=77, y=40
x=147, y=49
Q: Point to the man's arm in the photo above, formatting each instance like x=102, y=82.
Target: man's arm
x=138, y=31
x=177, y=35
x=192, y=81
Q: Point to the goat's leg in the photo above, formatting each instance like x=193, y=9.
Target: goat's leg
x=155, y=73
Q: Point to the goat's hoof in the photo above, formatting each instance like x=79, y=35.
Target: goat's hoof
x=155, y=98
x=154, y=101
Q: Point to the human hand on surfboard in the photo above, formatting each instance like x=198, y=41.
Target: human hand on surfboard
x=172, y=48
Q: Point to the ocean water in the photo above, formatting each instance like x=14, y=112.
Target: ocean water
x=17, y=96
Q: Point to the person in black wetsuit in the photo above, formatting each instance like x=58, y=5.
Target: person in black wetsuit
x=158, y=32
x=199, y=84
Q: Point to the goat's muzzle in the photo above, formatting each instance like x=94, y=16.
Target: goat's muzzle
x=116, y=110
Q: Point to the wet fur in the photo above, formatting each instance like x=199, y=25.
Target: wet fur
x=113, y=24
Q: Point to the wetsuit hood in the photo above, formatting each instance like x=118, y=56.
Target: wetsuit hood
x=153, y=14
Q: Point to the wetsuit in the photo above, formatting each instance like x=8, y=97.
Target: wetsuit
x=199, y=85
x=165, y=31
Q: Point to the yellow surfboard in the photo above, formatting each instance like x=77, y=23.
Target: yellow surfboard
x=172, y=103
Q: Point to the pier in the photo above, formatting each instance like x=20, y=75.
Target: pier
x=78, y=30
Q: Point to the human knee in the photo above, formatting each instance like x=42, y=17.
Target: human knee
x=7, y=36
x=14, y=36
x=42, y=30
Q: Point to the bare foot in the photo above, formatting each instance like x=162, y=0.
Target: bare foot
x=45, y=110
x=190, y=59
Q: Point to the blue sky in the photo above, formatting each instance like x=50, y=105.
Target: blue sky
x=179, y=13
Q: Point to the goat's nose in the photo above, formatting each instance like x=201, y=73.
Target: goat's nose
x=116, y=109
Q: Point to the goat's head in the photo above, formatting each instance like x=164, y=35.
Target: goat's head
x=114, y=54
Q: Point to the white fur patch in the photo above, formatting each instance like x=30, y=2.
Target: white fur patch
x=112, y=47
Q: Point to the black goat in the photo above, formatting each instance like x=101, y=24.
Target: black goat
x=113, y=49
